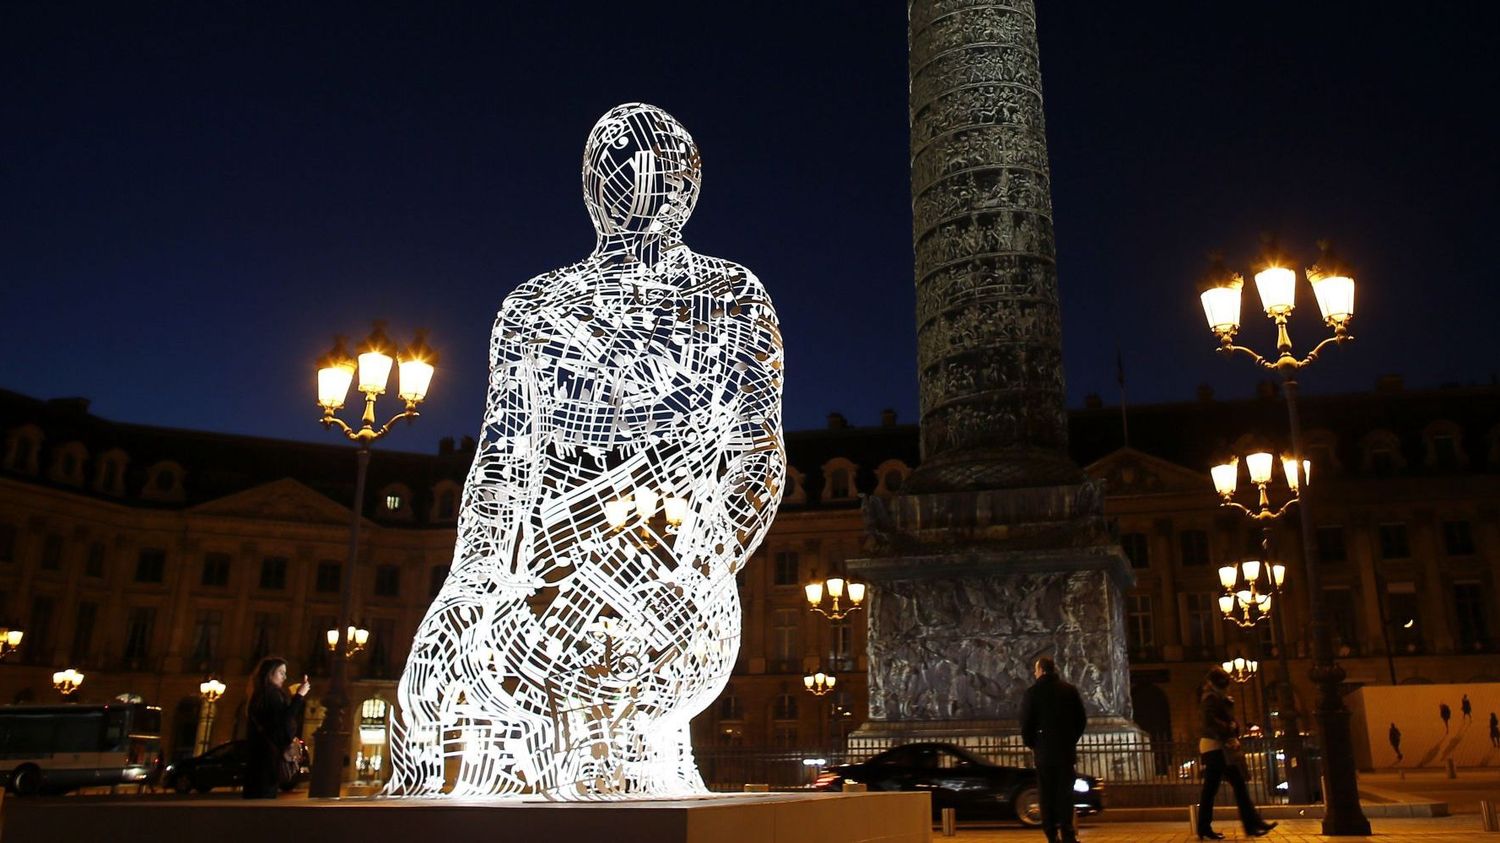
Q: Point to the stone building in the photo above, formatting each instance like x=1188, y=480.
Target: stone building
x=149, y=558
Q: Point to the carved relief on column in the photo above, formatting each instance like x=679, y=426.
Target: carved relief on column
x=988, y=325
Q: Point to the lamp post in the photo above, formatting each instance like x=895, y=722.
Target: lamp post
x=836, y=588
x=1248, y=589
x=336, y=371
x=820, y=685
x=1333, y=288
x=67, y=682
x=10, y=641
x=211, y=690
x=1241, y=669
x=355, y=638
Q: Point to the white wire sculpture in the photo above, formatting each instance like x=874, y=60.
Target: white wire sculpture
x=631, y=461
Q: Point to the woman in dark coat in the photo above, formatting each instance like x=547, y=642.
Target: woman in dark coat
x=272, y=717
x=1219, y=735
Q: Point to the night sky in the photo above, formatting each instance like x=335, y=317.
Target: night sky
x=195, y=197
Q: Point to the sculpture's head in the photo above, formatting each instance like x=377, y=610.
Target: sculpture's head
x=640, y=172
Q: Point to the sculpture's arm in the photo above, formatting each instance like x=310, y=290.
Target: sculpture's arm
x=496, y=495
x=752, y=449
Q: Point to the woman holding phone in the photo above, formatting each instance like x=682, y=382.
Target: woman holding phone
x=273, y=715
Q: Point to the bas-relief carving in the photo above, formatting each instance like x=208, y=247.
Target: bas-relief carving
x=962, y=648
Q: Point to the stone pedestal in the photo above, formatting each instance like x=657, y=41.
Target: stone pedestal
x=968, y=590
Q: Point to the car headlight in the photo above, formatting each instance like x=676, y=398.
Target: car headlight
x=1080, y=786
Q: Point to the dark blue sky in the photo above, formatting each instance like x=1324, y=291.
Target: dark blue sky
x=194, y=197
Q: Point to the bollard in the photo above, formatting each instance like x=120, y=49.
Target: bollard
x=950, y=822
x=1452, y=769
x=1193, y=819
x=1489, y=817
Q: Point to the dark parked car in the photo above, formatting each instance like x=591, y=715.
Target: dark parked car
x=958, y=779
x=222, y=766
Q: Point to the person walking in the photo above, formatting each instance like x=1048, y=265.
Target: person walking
x=1445, y=712
x=1494, y=730
x=273, y=718
x=1220, y=757
x=1395, y=738
x=1467, y=709
x=1052, y=721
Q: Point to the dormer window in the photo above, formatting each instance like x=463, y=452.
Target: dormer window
x=67, y=464
x=795, y=490
x=1382, y=453
x=1444, y=441
x=838, y=480
x=445, y=497
x=163, y=482
x=109, y=477
x=396, y=502
x=890, y=476
x=838, y=483
x=23, y=447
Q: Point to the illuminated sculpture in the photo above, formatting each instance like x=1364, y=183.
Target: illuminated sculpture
x=578, y=633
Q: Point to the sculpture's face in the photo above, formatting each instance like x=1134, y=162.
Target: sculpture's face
x=640, y=172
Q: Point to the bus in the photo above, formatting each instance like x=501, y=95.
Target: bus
x=53, y=749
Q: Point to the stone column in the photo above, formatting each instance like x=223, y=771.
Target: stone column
x=997, y=551
x=989, y=332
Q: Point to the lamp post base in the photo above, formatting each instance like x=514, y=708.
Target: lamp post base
x=330, y=756
x=1343, y=816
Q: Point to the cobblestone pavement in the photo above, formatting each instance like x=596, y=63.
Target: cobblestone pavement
x=1459, y=829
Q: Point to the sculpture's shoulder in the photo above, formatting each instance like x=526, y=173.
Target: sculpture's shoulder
x=723, y=277
x=540, y=292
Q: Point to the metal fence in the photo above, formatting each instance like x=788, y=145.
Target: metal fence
x=1136, y=772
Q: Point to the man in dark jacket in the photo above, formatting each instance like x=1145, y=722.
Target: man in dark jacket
x=1052, y=721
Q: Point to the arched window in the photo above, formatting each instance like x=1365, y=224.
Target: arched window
x=445, y=502
x=394, y=502
x=1381, y=453
x=731, y=707
x=890, y=476
x=1443, y=441
x=838, y=480
x=163, y=482
x=67, y=464
x=796, y=487
x=109, y=476
x=23, y=448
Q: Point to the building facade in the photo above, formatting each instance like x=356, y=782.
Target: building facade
x=150, y=558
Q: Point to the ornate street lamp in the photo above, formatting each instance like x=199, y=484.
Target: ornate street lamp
x=67, y=682
x=1241, y=669
x=1260, y=467
x=355, y=637
x=835, y=587
x=10, y=640
x=211, y=690
x=1333, y=287
x=1248, y=589
x=819, y=683
x=336, y=372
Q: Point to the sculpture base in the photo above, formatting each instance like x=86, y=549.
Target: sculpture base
x=747, y=818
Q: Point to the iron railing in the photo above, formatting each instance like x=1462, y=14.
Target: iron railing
x=1136, y=772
